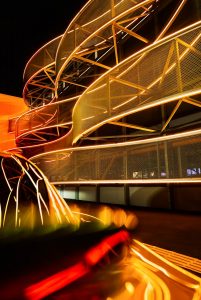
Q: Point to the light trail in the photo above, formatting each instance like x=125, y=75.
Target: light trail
x=59, y=280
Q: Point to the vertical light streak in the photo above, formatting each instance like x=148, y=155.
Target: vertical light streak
x=39, y=204
x=4, y=173
x=59, y=203
x=63, y=205
x=0, y=216
x=38, y=175
x=149, y=295
x=197, y=294
x=40, y=197
x=43, y=201
x=17, y=199
x=34, y=184
x=6, y=207
x=60, y=207
x=53, y=203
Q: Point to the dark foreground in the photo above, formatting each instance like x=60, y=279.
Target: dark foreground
x=26, y=260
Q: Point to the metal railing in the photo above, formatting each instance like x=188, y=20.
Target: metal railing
x=164, y=159
x=166, y=71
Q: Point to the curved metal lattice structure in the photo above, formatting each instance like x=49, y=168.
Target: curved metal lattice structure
x=98, y=38
x=109, y=78
x=88, y=33
x=166, y=71
x=154, y=160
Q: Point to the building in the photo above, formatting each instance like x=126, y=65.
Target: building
x=114, y=107
x=113, y=117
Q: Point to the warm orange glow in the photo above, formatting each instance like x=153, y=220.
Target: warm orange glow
x=54, y=283
x=103, y=85
x=59, y=280
x=143, y=274
x=11, y=107
x=96, y=253
x=35, y=66
x=139, y=82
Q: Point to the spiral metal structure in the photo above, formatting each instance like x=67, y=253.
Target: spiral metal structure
x=117, y=96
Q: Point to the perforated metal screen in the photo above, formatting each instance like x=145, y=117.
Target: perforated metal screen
x=173, y=157
x=167, y=71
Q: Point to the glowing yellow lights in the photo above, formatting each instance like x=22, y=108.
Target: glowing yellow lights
x=120, y=217
x=184, y=261
x=99, y=155
x=102, y=24
x=106, y=215
x=84, y=39
x=147, y=267
x=50, y=207
x=149, y=292
x=131, y=221
x=136, y=280
x=129, y=287
x=183, y=2
x=138, y=83
x=188, y=279
x=151, y=93
x=111, y=15
x=44, y=204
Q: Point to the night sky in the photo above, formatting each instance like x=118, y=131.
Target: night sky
x=24, y=28
x=27, y=26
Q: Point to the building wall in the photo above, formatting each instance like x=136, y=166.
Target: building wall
x=173, y=197
x=11, y=107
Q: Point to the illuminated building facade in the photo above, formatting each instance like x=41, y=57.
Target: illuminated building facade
x=115, y=104
x=114, y=117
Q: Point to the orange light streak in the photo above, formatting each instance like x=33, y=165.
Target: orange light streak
x=56, y=282
x=61, y=279
x=165, y=271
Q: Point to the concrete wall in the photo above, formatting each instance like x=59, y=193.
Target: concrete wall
x=178, y=197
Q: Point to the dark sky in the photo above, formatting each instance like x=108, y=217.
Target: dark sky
x=24, y=28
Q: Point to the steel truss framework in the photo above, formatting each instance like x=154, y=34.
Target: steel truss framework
x=52, y=70
x=106, y=88
x=129, y=88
